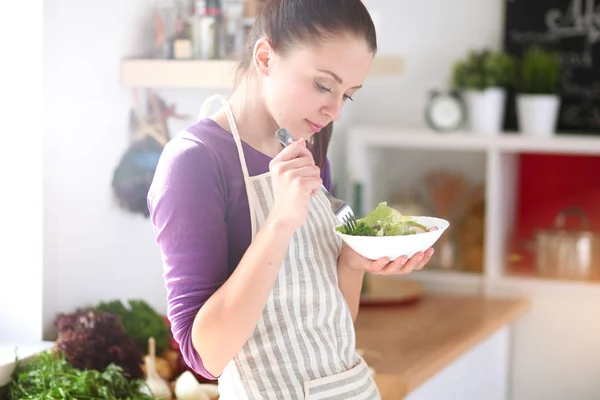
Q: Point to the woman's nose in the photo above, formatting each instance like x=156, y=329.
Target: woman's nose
x=333, y=109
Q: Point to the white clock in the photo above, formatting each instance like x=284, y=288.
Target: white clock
x=445, y=111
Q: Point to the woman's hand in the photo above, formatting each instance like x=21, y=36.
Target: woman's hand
x=402, y=265
x=296, y=179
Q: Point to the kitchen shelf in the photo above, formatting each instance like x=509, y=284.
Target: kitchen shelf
x=212, y=74
x=496, y=158
x=509, y=142
x=177, y=74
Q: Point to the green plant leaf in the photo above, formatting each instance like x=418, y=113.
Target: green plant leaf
x=140, y=322
x=483, y=69
x=538, y=72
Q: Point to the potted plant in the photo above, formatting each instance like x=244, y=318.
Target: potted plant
x=537, y=96
x=482, y=79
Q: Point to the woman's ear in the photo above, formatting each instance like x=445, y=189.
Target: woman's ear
x=262, y=56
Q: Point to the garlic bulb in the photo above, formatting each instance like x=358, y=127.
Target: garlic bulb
x=187, y=387
x=157, y=385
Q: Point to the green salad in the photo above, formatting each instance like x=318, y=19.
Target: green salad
x=384, y=221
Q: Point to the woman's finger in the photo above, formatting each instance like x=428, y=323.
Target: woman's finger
x=395, y=267
x=294, y=150
x=376, y=266
x=401, y=265
x=426, y=259
x=407, y=266
x=284, y=166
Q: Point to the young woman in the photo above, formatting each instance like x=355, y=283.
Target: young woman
x=261, y=294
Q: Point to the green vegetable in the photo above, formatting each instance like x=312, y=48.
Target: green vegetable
x=383, y=214
x=93, y=340
x=383, y=221
x=140, y=322
x=403, y=228
x=48, y=376
x=362, y=229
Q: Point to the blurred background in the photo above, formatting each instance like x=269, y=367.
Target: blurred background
x=486, y=113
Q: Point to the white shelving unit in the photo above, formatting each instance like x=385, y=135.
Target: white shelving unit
x=212, y=74
x=497, y=158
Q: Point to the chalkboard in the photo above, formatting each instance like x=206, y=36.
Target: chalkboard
x=571, y=27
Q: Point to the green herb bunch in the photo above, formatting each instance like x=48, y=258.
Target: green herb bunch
x=140, y=322
x=361, y=229
x=49, y=376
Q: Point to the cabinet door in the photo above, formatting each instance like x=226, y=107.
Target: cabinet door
x=482, y=373
x=556, y=348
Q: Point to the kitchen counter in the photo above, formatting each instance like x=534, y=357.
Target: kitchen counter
x=408, y=345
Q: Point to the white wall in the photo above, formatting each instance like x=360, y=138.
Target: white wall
x=92, y=249
x=21, y=180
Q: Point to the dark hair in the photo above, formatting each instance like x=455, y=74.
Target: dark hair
x=287, y=23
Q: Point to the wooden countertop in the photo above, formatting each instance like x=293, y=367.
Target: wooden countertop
x=407, y=345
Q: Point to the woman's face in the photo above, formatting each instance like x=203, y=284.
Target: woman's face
x=306, y=89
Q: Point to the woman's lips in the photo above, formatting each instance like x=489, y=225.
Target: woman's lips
x=314, y=127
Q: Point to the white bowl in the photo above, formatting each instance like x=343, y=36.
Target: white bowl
x=376, y=247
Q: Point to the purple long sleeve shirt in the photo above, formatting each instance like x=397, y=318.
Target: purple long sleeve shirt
x=199, y=208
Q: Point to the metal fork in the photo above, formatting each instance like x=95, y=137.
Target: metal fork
x=341, y=209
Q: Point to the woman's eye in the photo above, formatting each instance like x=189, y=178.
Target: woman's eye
x=322, y=88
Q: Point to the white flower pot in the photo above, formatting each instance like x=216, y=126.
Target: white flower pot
x=485, y=110
x=537, y=114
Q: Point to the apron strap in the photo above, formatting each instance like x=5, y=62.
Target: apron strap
x=204, y=110
x=205, y=107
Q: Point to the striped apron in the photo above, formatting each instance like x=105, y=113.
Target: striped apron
x=303, y=346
